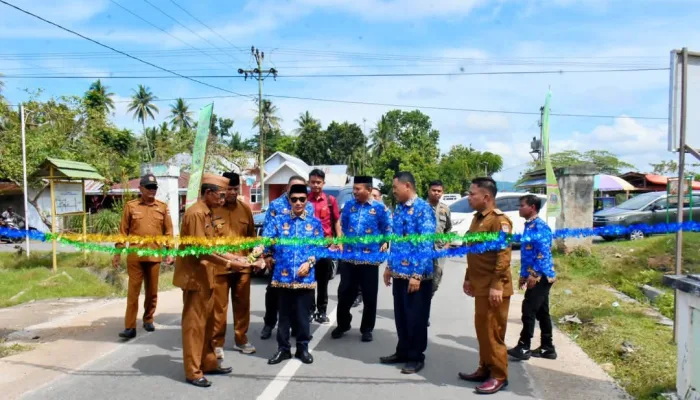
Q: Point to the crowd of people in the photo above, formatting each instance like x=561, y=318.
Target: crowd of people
x=297, y=293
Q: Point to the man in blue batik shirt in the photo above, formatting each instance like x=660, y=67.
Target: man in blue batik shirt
x=411, y=268
x=537, y=274
x=279, y=207
x=361, y=216
x=294, y=274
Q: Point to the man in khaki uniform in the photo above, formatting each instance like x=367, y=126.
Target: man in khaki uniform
x=443, y=220
x=195, y=276
x=235, y=220
x=145, y=216
x=489, y=281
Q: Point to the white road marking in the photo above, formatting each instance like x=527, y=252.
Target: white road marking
x=275, y=388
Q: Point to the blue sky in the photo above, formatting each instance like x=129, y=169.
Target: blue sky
x=311, y=37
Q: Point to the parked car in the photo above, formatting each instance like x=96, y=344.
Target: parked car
x=647, y=208
x=508, y=202
x=449, y=198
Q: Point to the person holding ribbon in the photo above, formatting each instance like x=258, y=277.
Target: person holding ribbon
x=294, y=274
x=537, y=275
x=278, y=207
x=411, y=269
x=361, y=216
x=235, y=221
x=195, y=276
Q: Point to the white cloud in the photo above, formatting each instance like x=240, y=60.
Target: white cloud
x=486, y=122
x=377, y=10
x=65, y=11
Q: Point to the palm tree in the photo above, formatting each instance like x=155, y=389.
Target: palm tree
x=381, y=136
x=142, y=105
x=97, y=97
x=180, y=115
x=307, y=123
x=270, y=120
x=143, y=108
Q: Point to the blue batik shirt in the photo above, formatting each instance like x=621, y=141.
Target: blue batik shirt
x=407, y=259
x=364, y=219
x=289, y=257
x=536, y=251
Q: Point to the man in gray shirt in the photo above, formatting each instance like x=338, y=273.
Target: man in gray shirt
x=443, y=221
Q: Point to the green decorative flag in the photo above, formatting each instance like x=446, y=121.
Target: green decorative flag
x=198, y=154
x=553, y=193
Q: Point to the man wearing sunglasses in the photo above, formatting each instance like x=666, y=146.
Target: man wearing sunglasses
x=279, y=207
x=294, y=274
x=145, y=216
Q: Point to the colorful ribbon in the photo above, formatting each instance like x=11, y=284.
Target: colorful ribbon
x=475, y=242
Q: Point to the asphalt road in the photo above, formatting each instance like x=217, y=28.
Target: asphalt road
x=151, y=365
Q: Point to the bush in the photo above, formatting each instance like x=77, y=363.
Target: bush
x=106, y=222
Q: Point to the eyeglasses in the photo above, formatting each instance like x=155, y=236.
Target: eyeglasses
x=297, y=199
x=222, y=195
x=151, y=187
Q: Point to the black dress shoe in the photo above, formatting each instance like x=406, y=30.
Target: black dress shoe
x=128, y=333
x=200, y=382
x=280, y=356
x=148, y=326
x=322, y=318
x=392, y=359
x=412, y=367
x=367, y=337
x=338, y=332
x=304, y=356
x=266, y=332
x=220, y=371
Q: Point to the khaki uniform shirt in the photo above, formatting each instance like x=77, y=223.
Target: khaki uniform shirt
x=443, y=220
x=235, y=220
x=196, y=272
x=492, y=268
x=141, y=219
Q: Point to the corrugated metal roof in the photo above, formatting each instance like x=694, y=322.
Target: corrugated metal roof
x=68, y=169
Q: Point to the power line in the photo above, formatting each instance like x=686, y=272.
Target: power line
x=459, y=109
x=387, y=75
x=118, y=51
x=207, y=26
x=182, y=25
x=423, y=107
x=166, y=32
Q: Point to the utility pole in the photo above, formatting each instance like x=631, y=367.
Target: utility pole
x=257, y=73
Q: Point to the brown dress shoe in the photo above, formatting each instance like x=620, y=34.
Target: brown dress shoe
x=491, y=386
x=480, y=375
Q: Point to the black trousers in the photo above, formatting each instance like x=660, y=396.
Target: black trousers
x=322, y=269
x=294, y=305
x=536, y=308
x=352, y=278
x=411, y=313
x=272, y=305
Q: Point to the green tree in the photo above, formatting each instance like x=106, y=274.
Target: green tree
x=348, y=146
x=98, y=98
x=313, y=143
x=462, y=164
x=414, y=149
x=143, y=108
x=603, y=161
x=665, y=167
x=269, y=124
x=381, y=136
x=180, y=115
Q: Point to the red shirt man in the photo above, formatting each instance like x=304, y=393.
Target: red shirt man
x=325, y=209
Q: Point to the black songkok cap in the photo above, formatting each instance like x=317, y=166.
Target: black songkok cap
x=297, y=189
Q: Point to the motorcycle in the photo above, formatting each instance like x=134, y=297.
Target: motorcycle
x=16, y=231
